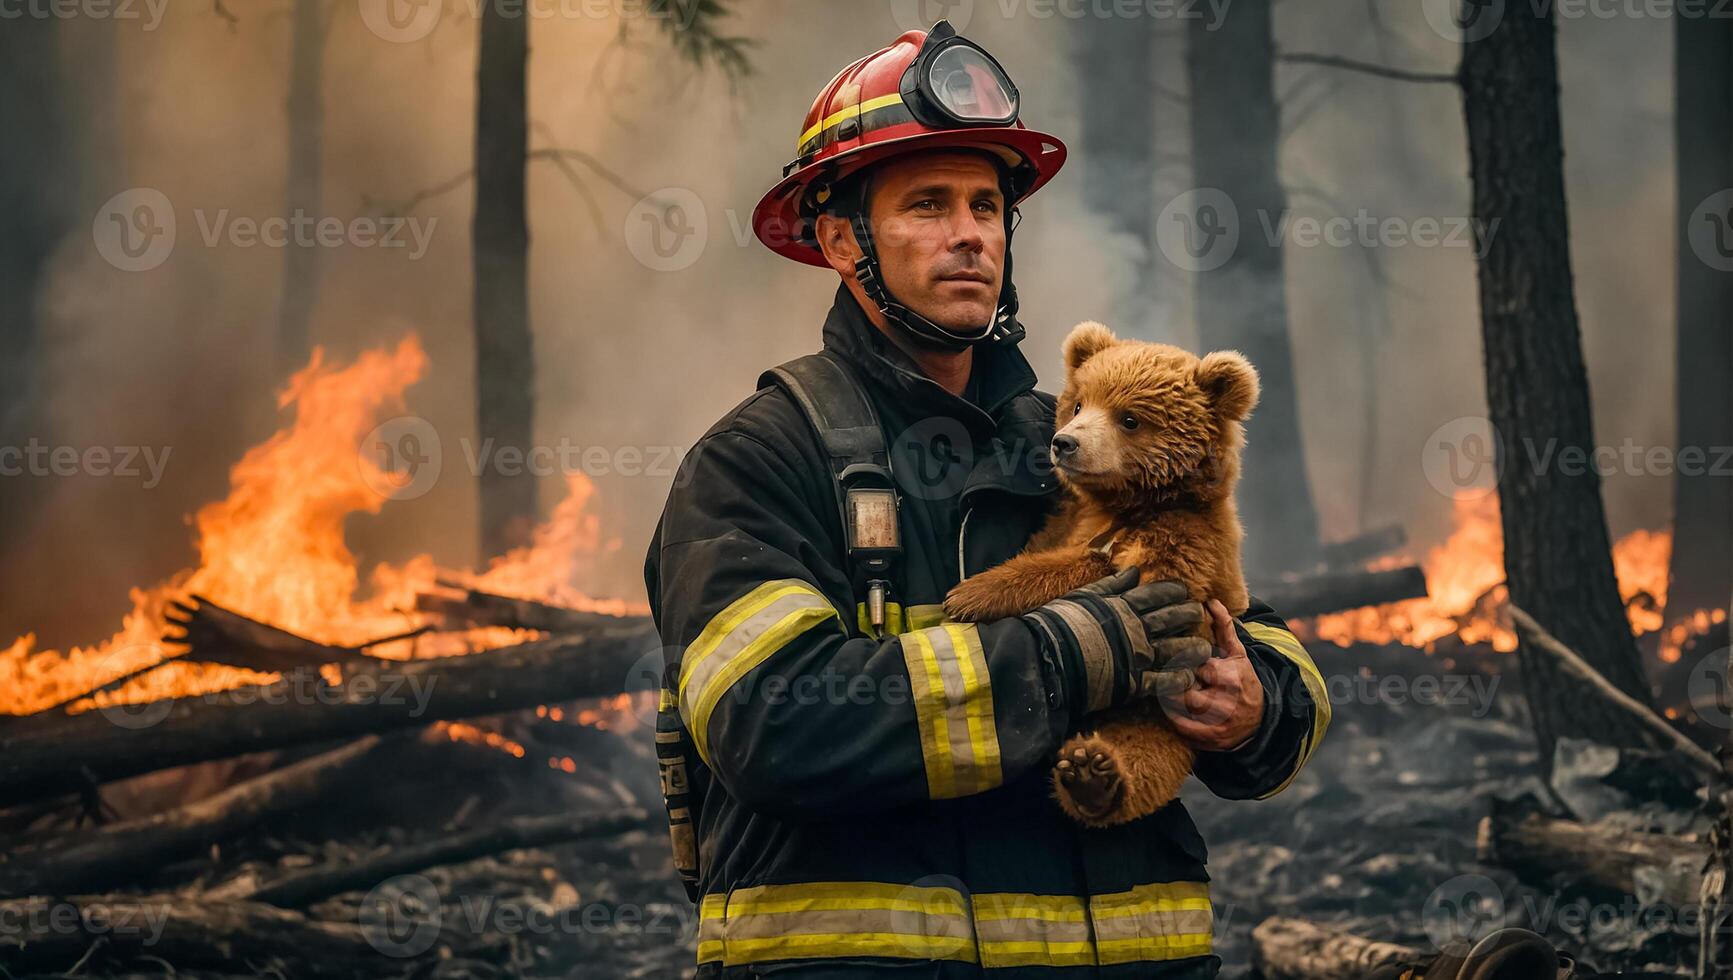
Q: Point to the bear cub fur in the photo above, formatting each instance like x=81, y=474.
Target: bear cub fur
x=1148, y=451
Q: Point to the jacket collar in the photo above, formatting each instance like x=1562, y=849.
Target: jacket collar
x=1001, y=372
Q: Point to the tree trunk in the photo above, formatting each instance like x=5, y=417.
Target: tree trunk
x=1241, y=304
x=504, y=349
x=1700, y=573
x=38, y=197
x=1557, y=557
x=1114, y=58
x=1300, y=949
x=300, y=286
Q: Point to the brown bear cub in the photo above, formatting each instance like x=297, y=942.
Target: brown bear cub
x=1148, y=450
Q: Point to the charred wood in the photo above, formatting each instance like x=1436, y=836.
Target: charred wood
x=111, y=855
x=1334, y=591
x=374, y=696
x=1362, y=548
x=477, y=608
x=1300, y=949
x=1659, y=869
x=304, y=888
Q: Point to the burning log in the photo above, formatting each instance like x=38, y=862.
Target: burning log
x=1630, y=708
x=111, y=855
x=63, y=753
x=1300, y=949
x=60, y=934
x=217, y=635
x=1334, y=591
x=304, y=888
x=477, y=608
x=1658, y=869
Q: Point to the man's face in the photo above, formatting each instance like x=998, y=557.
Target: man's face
x=938, y=219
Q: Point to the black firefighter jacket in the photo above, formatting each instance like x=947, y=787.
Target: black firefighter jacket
x=882, y=808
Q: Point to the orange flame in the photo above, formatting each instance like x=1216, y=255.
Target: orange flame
x=274, y=550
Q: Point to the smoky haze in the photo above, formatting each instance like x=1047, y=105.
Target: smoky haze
x=632, y=356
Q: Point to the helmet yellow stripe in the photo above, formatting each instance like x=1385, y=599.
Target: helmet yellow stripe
x=837, y=117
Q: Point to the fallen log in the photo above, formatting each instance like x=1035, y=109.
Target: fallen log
x=1657, y=869
x=1334, y=591
x=303, y=888
x=1300, y=949
x=59, y=934
x=477, y=608
x=213, y=634
x=1363, y=547
x=1635, y=711
x=59, y=754
x=114, y=854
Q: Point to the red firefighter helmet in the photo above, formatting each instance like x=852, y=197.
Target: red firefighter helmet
x=928, y=90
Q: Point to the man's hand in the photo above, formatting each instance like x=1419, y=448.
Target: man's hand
x=1223, y=710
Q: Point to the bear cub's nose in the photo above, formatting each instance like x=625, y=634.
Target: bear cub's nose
x=1064, y=445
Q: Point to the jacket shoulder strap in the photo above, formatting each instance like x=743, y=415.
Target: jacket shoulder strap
x=836, y=406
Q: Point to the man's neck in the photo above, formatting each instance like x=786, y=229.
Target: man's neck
x=949, y=369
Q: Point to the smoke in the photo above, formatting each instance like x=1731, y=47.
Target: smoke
x=644, y=341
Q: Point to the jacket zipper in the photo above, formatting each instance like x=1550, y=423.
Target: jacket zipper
x=962, y=535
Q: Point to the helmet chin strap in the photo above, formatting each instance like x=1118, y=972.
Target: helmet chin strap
x=1003, y=327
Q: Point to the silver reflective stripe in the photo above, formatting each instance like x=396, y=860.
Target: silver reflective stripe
x=1097, y=655
x=953, y=701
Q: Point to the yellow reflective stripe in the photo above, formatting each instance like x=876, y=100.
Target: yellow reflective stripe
x=833, y=919
x=667, y=700
x=953, y=699
x=1164, y=921
x=1288, y=645
x=837, y=117
x=710, y=928
x=900, y=619
x=815, y=920
x=739, y=638
x=983, y=731
x=1033, y=930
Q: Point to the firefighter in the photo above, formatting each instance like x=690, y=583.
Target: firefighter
x=855, y=786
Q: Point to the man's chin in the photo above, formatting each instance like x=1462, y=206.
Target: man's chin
x=961, y=317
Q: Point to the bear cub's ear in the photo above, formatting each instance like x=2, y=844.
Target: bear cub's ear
x=1085, y=341
x=1231, y=383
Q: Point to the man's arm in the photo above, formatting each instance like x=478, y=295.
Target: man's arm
x=789, y=712
x=1296, y=712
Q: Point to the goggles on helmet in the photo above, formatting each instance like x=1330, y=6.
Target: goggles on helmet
x=955, y=82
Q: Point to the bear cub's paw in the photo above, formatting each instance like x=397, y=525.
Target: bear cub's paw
x=978, y=600
x=1087, y=780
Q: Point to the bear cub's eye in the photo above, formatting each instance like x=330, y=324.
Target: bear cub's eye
x=1076, y=408
x=1128, y=421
